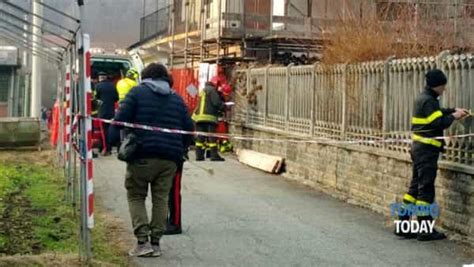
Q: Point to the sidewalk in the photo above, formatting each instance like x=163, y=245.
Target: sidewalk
x=243, y=217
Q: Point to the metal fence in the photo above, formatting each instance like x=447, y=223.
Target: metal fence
x=366, y=101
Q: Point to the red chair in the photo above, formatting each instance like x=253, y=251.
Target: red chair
x=98, y=135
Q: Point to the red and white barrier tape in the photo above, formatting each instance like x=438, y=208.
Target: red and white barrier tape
x=321, y=140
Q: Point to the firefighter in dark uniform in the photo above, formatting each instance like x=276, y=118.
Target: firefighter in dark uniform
x=205, y=116
x=107, y=94
x=428, y=122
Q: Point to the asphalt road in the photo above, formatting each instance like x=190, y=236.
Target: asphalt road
x=244, y=217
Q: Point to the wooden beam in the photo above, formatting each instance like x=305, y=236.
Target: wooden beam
x=264, y=162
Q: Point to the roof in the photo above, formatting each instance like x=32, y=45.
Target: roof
x=111, y=56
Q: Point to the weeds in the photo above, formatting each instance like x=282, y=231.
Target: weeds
x=400, y=31
x=39, y=228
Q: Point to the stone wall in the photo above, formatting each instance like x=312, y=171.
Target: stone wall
x=369, y=177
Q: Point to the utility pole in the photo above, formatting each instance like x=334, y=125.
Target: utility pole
x=35, y=109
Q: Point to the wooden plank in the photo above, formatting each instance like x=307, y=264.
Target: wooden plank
x=264, y=162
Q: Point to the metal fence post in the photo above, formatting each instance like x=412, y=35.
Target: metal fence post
x=74, y=105
x=67, y=126
x=386, y=89
x=287, y=98
x=247, y=110
x=85, y=149
x=344, y=101
x=440, y=59
x=265, y=106
x=313, y=99
x=60, y=144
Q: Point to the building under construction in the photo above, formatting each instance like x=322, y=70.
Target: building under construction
x=192, y=31
x=183, y=33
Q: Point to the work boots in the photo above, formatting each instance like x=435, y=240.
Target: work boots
x=199, y=154
x=434, y=235
x=404, y=218
x=402, y=234
x=173, y=229
x=215, y=155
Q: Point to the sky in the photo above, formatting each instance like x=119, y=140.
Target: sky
x=116, y=22
x=112, y=24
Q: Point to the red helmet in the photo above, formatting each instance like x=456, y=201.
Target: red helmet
x=215, y=81
x=226, y=89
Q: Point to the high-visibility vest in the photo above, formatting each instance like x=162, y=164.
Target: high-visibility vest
x=210, y=105
x=124, y=86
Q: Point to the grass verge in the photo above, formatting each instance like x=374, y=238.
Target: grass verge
x=36, y=222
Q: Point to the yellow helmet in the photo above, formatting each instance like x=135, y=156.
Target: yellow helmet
x=132, y=74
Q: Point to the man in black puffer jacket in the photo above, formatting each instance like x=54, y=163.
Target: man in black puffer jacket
x=153, y=103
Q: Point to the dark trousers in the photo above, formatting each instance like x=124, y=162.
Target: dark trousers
x=113, y=137
x=142, y=174
x=107, y=136
x=174, y=199
x=207, y=127
x=425, y=166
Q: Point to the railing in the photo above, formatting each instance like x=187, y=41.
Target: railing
x=234, y=25
x=366, y=101
x=156, y=23
x=237, y=25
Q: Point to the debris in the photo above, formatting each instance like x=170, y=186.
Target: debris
x=264, y=162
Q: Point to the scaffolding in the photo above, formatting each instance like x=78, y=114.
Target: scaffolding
x=232, y=31
x=225, y=31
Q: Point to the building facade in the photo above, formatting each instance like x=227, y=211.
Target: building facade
x=182, y=33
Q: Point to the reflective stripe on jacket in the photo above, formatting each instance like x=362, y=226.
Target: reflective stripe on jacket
x=210, y=105
x=429, y=120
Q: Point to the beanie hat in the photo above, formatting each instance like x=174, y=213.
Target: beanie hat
x=435, y=78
